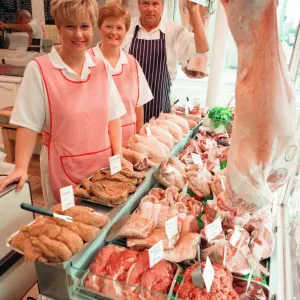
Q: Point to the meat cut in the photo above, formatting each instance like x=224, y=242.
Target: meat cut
x=221, y=287
x=262, y=148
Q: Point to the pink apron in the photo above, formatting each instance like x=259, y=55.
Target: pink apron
x=127, y=83
x=78, y=141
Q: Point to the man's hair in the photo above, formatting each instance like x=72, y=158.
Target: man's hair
x=23, y=13
x=163, y=1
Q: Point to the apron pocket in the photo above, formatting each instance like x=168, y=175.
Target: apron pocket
x=128, y=131
x=80, y=166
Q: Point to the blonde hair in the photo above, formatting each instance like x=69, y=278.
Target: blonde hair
x=114, y=10
x=64, y=11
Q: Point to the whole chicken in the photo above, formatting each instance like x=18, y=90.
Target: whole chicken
x=149, y=146
x=163, y=135
x=173, y=128
x=182, y=123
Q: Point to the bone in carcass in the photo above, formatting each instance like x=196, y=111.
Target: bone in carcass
x=195, y=67
x=262, y=149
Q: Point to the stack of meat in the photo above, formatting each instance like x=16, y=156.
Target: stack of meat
x=110, y=189
x=221, y=287
x=157, y=138
x=127, y=274
x=54, y=240
x=248, y=236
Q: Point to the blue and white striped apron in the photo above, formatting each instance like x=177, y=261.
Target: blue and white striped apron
x=152, y=56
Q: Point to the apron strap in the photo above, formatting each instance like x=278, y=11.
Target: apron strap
x=136, y=31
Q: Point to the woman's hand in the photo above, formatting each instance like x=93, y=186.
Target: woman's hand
x=20, y=176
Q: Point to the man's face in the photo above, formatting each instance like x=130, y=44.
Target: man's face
x=20, y=20
x=150, y=12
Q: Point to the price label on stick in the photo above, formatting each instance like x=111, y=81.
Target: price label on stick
x=201, y=2
x=67, y=197
x=171, y=227
x=235, y=237
x=184, y=191
x=156, y=253
x=214, y=229
x=148, y=131
x=115, y=164
x=186, y=109
x=257, y=251
x=208, y=274
x=196, y=159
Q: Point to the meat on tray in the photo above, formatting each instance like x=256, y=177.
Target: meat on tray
x=54, y=240
x=139, y=161
x=110, y=189
x=181, y=122
x=127, y=274
x=185, y=248
x=156, y=236
x=133, y=226
x=221, y=287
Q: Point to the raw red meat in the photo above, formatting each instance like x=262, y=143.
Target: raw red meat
x=221, y=287
x=158, y=278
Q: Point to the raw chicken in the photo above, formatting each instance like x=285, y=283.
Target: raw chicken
x=169, y=176
x=174, y=129
x=139, y=161
x=182, y=123
x=162, y=135
x=185, y=249
x=150, y=147
x=262, y=149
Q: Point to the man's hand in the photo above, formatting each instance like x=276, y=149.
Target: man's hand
x=192, y=6
x=2, y=25
x=18, y=175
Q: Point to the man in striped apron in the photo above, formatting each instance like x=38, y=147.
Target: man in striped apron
x=159, y=45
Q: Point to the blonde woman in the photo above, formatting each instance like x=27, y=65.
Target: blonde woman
x=113, y=23
x=69, y=95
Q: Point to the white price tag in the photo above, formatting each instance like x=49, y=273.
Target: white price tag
x=257, y=251
x=148, y=131
x=222, y=182
x=169, y=169
x=186, y=109
x=201, y=2
x=67, y=197
x=196, y=159
x=235, y=237
x=156, y=253
x=208, y=274
x=115, y=164
x=214, y=229
x=171, y=227
x=184, y=191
